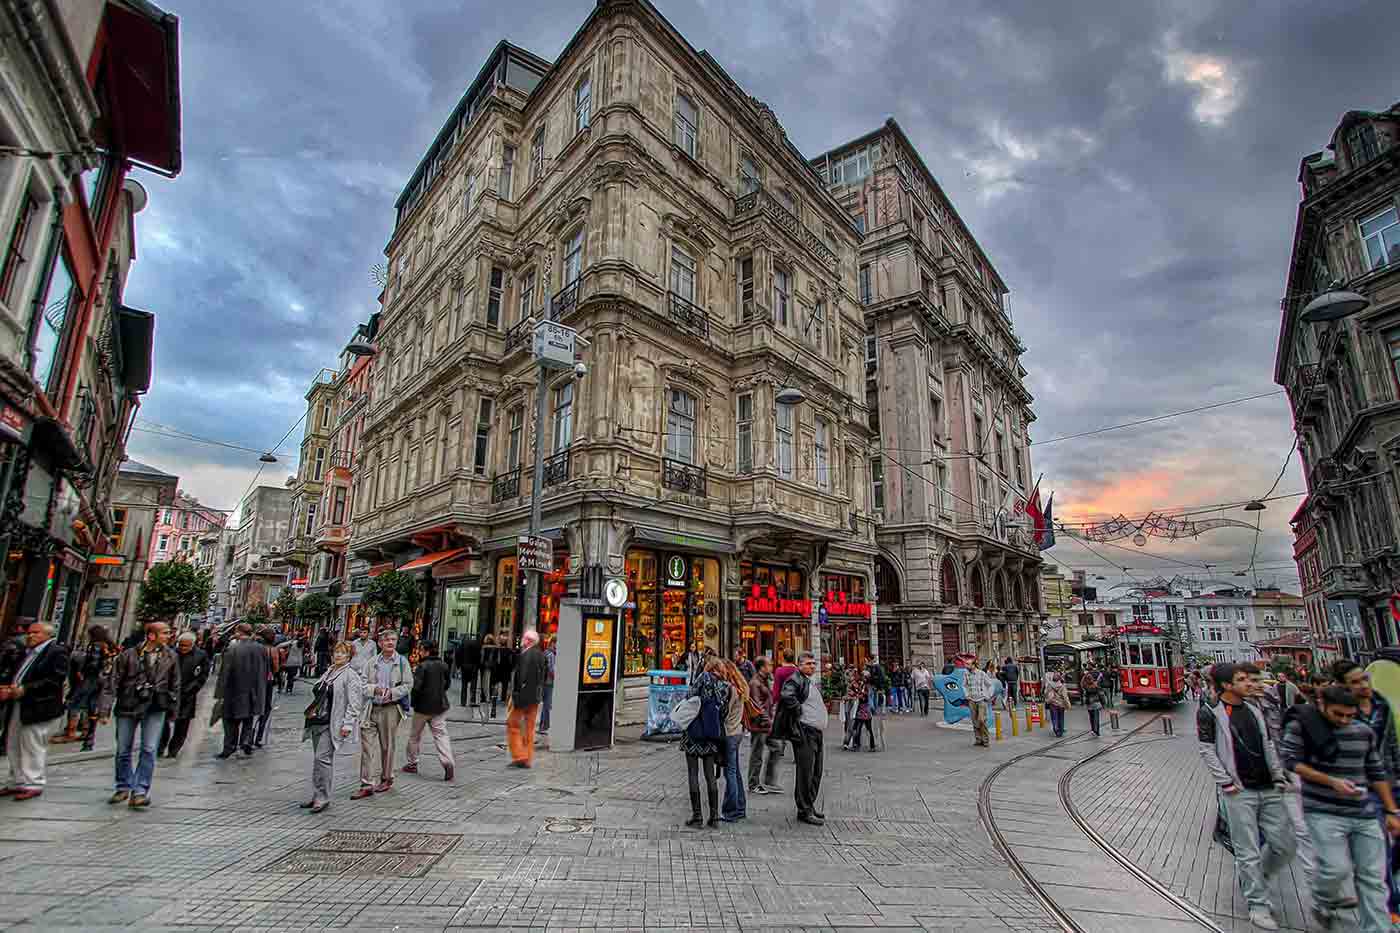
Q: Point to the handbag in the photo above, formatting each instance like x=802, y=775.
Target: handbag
x=685, y=712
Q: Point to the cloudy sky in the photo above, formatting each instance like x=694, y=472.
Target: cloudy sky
x=1129, y=168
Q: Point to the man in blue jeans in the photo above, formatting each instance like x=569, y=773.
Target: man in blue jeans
x=1337, y=759
x=142, y=688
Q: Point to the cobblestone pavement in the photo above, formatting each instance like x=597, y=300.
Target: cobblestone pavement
x=587, y=841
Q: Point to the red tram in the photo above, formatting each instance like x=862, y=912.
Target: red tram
x=1151, y=668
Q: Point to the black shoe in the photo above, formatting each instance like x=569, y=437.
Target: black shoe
x=695, y=821
x=810, y=818
x=222, y=755
x=712, y=822
x=819, y=814
x=247, y=753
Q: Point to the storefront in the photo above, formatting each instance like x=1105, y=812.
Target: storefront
x=777, y=615
x=509, y=601
x=845, y=620
x=458, y=600
x=676, y=600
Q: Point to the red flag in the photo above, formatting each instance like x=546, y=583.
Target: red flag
x=1037, y=516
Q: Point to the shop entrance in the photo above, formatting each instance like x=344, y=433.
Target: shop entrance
x=677, y=608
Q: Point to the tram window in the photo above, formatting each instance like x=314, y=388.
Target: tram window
x=1123, y=653
x=1157, y=655
x=1134, y=655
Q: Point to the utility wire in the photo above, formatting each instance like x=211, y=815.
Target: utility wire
x=1172, y=414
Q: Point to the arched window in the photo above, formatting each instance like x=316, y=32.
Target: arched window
x=979, y=590
x=948, y=579
x=1001, y=590
x=1021, y=595
x=886, y=583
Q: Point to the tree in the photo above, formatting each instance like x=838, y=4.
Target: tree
x=171, y=588
x=285, y=606
x=257, y=615
x=393, y=594
x=315, y=608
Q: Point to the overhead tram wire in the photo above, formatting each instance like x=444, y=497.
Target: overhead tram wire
x=1173, y=414
x=197, y=439
x=276, y=446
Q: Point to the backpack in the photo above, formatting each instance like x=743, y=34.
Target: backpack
x=709, y=724
x=878, y=678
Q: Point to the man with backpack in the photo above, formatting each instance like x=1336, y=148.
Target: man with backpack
x=803, y=719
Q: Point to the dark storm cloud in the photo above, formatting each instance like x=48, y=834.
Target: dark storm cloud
x=1129, y=168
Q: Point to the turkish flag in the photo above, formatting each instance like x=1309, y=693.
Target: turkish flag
x=1037, y=516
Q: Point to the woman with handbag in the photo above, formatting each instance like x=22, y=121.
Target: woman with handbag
x=736, y=804
x=704, y=741
x=338, y=698
x=1092, y=692
x=1057, y=701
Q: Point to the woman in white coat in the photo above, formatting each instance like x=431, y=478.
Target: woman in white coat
x=333, y=716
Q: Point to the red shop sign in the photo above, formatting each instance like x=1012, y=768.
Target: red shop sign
x=1140, y=628
x=766, y=600
x=837, y=604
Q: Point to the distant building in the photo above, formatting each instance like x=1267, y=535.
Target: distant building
x=140, y=496
x=1058, y=593
x=258, y=574
x=179, y=528
x=1307, y=554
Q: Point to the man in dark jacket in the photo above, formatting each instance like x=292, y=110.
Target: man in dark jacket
x=323, y=652
x=142, y=689
x=469, y=663
x=35, y=697
x=243, y=687
x=526, y=694
x=804, y=717
x=194, y=671
x=429, y=698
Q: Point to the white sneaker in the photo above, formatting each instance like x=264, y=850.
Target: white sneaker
x=1263, y=920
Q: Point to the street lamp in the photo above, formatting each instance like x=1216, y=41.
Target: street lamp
x=1254, y=505
x=267, y=458
x=1333, y=305
x=361, y=347
x=789, y=395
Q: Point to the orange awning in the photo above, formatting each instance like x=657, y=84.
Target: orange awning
x=437, y=557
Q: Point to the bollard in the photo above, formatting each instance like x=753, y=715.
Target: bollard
x=1113, y=720
x=1040, y=708
x=1028, y=718
x=1011, y=714
x=1167, y=727
x=997, y=713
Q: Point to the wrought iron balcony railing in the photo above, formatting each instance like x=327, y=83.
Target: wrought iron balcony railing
x=784, y=218
x=565, y=301
x=556, y=468
x=519, y=335
x=688, y=314
x=342, y=460
x=683, y=477
x=505, y=486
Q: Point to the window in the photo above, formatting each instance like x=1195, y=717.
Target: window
x=51, y=306
x=563, y=416
x=1213, y=614
x=1239, y=614
x=865, y=293
x=746, y=290
x=507, y=172
x=517, y=427
x=855, y=166
x=483, y=436
x=167, y=518
x=687, y=120
x=682, y=274
x=325, y=414
x=871, y=359
x=782, y=290
x=821, y=451
x=469, y=193
x=527, y=295
x=493, y=298
x=784, y=431
x=310, y=517
x=945, y=494
x=948, y=582
x=573, y=258
x=984, y=499
x=22, y=244
x=118, y=528
x=320, y=464
x=1020, y=471
x=744, y=422
x=749, y=180
x=338, y=513
x=816, y=327
x=1142, y=612
x=583, y=104
x=1001, y=452
x=184, y=519
x=537, y=156
x=185, y=543
x=935, y=409
x=1361, y=144
x=977, y=432
x=877, y=483
x=1381, y=235
x=680, y=426
x=163, y=544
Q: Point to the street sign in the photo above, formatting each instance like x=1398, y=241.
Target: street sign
x=105, y=607
x=535, y=553
x=554, y=345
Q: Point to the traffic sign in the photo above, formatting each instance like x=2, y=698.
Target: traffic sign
x=535, y=553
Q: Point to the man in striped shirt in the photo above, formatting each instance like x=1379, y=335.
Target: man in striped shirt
x=1337, y=759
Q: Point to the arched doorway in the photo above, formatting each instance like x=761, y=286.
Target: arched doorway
x=889, y=627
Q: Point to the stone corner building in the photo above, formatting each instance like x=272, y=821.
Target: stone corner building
x=631, y=190
x=1343, y=378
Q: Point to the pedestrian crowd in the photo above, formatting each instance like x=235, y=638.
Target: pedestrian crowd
x=1305, y=768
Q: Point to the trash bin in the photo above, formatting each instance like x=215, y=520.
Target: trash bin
x=665, y=689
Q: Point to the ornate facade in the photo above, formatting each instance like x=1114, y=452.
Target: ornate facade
x=634, y=192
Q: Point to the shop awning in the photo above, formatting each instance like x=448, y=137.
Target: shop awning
x=349, y=599
x=427, y=561
x=684, y=540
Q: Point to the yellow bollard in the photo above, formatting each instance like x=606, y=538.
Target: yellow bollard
x=997, y=713
x=1040, y=711
x=1011, y=714
x=1028, y=718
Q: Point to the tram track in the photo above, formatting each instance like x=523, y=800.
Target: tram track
x=1064, y=917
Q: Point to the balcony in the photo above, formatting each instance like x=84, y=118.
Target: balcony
x=565, y=302
x=683, y=477
x=1344, y=579
x=505, y=486
x=556, y=468
x=688, y=315
x=342, y=460
x=519, y=335
x=765, y=202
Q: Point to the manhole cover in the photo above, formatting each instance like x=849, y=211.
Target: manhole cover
x=568, y=826
x=398, y=855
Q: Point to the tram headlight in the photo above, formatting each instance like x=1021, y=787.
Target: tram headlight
x=1144, y=680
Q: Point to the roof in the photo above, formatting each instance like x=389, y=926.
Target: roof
x=1302, y=639
x=145, y=469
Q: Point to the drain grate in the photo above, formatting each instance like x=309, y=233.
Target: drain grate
x=393, y=855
